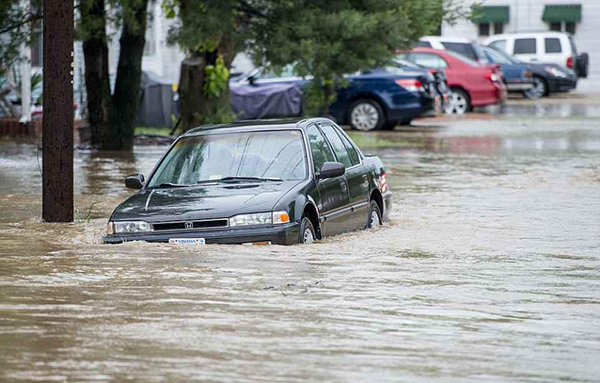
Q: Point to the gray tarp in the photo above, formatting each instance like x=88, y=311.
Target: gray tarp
x=157, y=101
x=252, y=102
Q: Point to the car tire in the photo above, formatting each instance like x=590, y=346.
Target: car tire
x=459, y=102
x=366, y=116
x=307, y=231
x=374, y=218
x=539, y=89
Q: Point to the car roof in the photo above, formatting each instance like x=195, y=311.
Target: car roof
x=253, y=125
x=447, y=39
x=504, y=36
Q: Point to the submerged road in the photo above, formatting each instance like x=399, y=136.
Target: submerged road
x=489, y=270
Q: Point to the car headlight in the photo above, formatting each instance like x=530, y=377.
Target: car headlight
x=269, y=218
x=556, y=72
x=128, y=227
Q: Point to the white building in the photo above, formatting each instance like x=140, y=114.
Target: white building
x=578, y=17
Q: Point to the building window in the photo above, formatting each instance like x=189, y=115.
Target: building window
x=484, y=29
x=498, y=28
x=37, y=48
x=562, y=17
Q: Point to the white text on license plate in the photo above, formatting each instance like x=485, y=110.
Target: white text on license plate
x=187, y=241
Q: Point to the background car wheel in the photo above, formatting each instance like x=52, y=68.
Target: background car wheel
x=538, y=90
x=458, y=102
x=374, y=215
x=366, y=115
x=307, y=231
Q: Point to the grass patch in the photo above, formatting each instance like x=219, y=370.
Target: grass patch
x=375, y=140
x=159, y=130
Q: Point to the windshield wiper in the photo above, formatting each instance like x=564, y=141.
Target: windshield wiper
x=242, y=179
x=167, y=185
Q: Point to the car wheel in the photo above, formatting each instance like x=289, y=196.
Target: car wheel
x=538, y=90
x=366, y=115
x=458, y=102
x=374, y=215
x=307, y=231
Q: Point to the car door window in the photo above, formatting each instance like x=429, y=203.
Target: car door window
x=321, y=152
x=495, y=58
x=524, y=47
x=428, y=60
x=552, y=45
x=338, y=146
x=462, y=48
x=499, y=44
x=352, y=153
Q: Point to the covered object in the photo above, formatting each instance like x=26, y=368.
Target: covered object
x=157, y=104
x=253, y=102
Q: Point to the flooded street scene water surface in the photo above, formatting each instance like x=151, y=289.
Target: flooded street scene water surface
x=488, y=270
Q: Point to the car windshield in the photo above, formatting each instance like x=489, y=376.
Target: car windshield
x=225, y=157
x=505, y=55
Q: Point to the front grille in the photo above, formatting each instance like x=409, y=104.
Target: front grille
x=206, y=224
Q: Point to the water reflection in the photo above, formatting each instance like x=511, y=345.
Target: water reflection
x=488, y=271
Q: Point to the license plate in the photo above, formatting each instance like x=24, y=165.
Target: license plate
x=187, y=241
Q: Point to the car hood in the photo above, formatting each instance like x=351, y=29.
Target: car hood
x=205, y=202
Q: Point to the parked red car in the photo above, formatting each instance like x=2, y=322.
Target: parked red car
x=471, y=83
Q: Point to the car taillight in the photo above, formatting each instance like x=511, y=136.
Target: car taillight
x=383, y=184
x=570, y=62
x=411, y=85
x=493, y=77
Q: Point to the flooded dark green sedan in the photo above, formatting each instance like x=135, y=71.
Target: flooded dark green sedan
x=276, y=182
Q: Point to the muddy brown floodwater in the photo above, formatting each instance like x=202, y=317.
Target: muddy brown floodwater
x=489, y=270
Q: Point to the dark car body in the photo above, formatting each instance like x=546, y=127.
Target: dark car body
x=333, y=204
x=399, y=96
x=518, y=77
x=555, y=78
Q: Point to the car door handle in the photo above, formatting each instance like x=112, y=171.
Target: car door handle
x=343, y=185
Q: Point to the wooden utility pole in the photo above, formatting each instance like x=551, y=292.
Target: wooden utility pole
x=57, y=144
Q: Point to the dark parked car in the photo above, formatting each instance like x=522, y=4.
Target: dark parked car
x=255, y=181
x=373, y=99
x=547, y=78
x=517, y=76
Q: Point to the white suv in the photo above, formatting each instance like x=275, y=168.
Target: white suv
x=543, y=48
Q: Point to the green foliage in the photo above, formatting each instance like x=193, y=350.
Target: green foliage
x=216, y=78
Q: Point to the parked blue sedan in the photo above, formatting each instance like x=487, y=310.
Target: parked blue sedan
x=373, y=100
x=517, y=76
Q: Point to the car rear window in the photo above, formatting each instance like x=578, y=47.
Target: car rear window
x=552, y=45
x=428, y=60
x=499, y=44
x=462, y=48
x=524, y=46
x=463, y=58
x=423, y=44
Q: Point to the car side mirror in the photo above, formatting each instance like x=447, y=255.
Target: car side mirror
x=134, y=181
x=331, y=170
x=251, y=80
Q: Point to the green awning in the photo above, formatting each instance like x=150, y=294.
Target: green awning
x=491, y=14
x=570, y=13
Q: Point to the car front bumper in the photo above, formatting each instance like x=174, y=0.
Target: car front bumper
x=281, y=235
x=561, y=84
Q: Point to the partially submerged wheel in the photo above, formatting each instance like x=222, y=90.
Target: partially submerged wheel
x=458, y=102
x=366, y=115
x=307, y=231
x=374, y=219
x=538, y=90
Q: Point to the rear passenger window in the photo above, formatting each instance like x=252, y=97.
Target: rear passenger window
x=338, y=146
x=524, y=46
x=462, y=48
x=552, y=45
x=354, y=158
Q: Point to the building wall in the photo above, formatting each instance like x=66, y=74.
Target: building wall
x=526, y=16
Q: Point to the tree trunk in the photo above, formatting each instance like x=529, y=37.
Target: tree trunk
x=97, y=80
x=195, y=107
x=126, y=97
